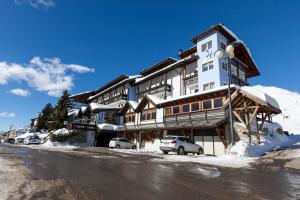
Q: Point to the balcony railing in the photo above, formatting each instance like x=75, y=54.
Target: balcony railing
x=115, y=98
x=156, y=89
x=205, y=117
x=84, y=121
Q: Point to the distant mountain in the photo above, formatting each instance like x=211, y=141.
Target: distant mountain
x=289, y=103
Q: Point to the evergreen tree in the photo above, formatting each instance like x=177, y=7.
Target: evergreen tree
x=45, y=117
x=61, y=110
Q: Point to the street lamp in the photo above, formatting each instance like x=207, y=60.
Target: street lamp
x=229, y=54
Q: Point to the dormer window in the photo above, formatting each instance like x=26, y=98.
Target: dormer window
x=206, y=46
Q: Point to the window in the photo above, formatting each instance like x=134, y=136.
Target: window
x=153, y=116
x=242, y=75
x=224, y=66
x=206, y=46
x=207, y=66
x=208, y=86
x=207, y=104
x=148, y=115
x=223, y=46
x=218, y=103
x=175, y=109
x=168, y=111
x=129, y=117
x=195, y=106
x=186, y=108
x=234, y=70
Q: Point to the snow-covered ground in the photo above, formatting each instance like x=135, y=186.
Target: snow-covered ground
x=289, y=103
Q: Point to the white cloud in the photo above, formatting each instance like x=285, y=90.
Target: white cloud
x=20, y=92
x=7, y=115
x=43, y=4
x=48, y=75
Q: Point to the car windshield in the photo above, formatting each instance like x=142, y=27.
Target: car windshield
x=34, y=137
x=114, y=139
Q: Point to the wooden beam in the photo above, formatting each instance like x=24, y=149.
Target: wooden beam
x=263, y=121
x=221, y=137
x=254, y=114
x=239, y=118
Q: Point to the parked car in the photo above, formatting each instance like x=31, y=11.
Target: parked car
x=180, y=145
x=121, y=143
x=9, y=141
x=34, y=139
x=19, y=140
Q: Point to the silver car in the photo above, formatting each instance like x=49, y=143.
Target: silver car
x=121, y=143
x=180, y=145
x=34, y=139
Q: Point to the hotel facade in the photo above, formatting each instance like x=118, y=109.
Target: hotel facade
x=185, y=96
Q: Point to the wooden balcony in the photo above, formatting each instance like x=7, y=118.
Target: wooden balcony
x=115, y=98
x=156, y=89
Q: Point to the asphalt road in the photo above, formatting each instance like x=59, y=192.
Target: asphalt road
x=112, y=175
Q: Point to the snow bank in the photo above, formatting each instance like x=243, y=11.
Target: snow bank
x=225, y=160
x=49, y=143
x=62, y=131
x=289, y=104
x=111, y=127
x=269, y=141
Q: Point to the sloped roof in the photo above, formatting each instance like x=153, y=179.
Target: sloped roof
x=158, y=66
x=260, y=98
x=241, y=51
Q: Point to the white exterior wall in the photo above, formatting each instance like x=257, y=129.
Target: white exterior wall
x=207, y=56
x=192, y=83
x=159, y=115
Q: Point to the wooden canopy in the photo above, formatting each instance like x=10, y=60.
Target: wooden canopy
x=250, y=109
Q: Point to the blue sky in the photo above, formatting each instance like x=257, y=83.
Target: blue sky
x=50, y=45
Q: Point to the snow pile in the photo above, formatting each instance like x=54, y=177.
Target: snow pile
x=289, y=104
x=270, y=141
x=225, y=160
x=111, y=127
x=62, y=131
x=49, y=143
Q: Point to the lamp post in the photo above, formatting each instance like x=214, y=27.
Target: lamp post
x=229, y=54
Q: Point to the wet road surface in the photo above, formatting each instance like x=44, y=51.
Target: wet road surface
x=112, y=175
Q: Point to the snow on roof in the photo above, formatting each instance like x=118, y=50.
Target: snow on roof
x=256, y=92
x=97, y=106
x=82, y=109
x=86, y=92
x=134, y=104
x=111, y=127
x=238, y=40
x=120, y=83
x=73, y=111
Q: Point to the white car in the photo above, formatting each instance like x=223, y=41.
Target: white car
x=180, y=145
x=121, y=143
x=34, y=139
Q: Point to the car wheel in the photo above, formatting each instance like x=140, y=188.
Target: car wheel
x=180, y=151
x=165, y=152
x=133, y=147
x=200, y=151
x=118, y=146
